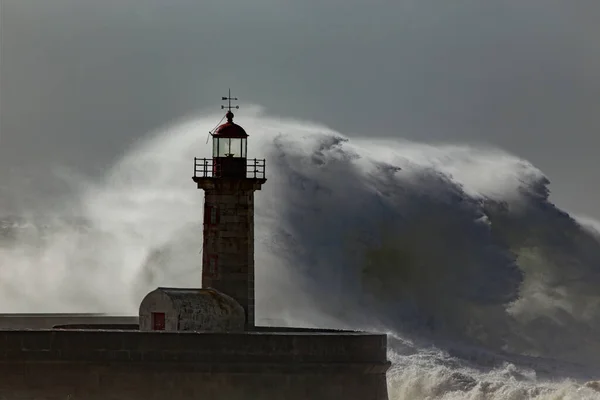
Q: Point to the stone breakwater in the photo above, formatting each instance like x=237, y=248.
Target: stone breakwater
x=54, y=364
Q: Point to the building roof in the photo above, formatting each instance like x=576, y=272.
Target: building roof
x=230, y=129
x=185, y=297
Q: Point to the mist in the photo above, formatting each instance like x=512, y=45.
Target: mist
x=81, y=81
x=482, y=285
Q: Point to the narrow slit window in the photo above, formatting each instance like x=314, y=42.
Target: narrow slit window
x=212, y=265
x=211, y=215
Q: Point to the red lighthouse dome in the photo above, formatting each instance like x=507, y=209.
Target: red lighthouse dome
x=229, y=129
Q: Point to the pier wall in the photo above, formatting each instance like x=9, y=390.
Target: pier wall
x=102, y=365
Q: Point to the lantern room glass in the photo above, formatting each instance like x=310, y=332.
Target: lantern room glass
x=229, y=147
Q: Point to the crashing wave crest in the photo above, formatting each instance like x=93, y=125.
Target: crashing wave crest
x=458, y=243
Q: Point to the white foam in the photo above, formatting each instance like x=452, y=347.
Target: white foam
x=332, y=208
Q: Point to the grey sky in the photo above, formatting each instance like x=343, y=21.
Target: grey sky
x=82, y=79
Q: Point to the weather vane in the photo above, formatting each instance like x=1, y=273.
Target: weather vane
x=229, y=98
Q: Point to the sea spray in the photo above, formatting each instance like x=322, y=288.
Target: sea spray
x=455, y=244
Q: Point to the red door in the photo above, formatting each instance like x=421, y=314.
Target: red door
x=158, y=321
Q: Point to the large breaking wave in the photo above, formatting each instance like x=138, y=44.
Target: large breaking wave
x=487, y=289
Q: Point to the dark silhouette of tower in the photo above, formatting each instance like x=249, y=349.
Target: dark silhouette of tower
x=229, y=180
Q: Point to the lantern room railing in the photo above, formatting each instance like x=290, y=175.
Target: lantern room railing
x=207, y=168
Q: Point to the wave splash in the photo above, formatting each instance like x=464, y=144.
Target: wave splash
x=457, y=246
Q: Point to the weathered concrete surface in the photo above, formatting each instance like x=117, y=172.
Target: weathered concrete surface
x=181, y=365
x=48, y=321
x=92, y=382
x=192, y=310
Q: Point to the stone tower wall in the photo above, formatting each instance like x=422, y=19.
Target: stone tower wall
x=228, y=248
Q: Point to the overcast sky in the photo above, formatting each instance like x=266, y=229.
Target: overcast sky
x=80, y=80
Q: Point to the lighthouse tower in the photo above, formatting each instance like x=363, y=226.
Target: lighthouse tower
x=229, y=180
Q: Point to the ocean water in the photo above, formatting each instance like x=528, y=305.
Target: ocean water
x=486, y=289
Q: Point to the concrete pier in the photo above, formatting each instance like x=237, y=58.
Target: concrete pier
x=261, y=365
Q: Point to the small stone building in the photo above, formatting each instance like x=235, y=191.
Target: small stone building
x=174, y=309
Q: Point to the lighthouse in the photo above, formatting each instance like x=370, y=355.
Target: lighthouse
x=229, y=180
x=196, y=343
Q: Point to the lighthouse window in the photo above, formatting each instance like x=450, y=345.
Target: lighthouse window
x=211, y=215
x=229, y=147
x=215, y=147
x=211, y=265
x=224, y=144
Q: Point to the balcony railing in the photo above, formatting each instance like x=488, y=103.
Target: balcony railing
x=225, y=168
